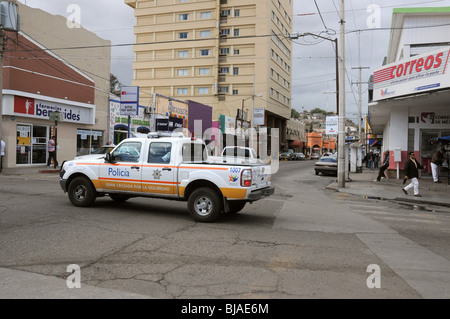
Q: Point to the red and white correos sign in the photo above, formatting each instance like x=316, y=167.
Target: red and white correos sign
x=420, y=73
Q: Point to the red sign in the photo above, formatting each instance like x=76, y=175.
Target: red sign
x=24, y=105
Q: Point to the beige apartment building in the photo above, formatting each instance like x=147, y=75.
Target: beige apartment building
x=228, y=54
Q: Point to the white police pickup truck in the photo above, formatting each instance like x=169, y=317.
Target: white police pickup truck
x=170, y=167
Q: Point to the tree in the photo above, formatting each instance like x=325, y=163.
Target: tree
x=318, y=110
x=114, y=85
x=295, y=114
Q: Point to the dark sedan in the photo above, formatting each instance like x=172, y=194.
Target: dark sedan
x=326, y=165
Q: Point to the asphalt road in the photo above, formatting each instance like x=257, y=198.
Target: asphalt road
x=304, y=242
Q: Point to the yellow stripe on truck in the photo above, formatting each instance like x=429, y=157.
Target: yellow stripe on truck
x=230, y=193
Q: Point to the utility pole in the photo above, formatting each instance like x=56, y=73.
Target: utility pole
x=341, y=126
x=360, y=83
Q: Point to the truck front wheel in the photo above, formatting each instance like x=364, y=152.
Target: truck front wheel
x=81, y=192
x=204, y=205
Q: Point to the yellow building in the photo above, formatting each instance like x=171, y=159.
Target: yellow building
x=229, y=55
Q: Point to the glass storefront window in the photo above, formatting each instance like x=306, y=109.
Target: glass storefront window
x=31, y=147
x=88, y=140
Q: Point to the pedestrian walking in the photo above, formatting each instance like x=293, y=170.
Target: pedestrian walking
x=371, y=158
x=412, y=167
x=382, y=172
x=2, y=153
x=52, y=152
x=436, y=161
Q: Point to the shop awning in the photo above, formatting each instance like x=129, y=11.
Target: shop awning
x=296, y=144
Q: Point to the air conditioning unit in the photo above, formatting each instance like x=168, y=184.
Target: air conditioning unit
x=149, y=110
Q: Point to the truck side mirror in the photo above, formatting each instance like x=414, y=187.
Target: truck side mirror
x=109, y=158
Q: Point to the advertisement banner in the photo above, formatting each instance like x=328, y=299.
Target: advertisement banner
x=258, y=116
x=421, y=73
x=332, y=123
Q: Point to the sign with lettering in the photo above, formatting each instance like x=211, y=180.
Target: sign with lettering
x=421, y=73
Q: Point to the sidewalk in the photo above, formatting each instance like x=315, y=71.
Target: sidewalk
x=30, y=170
x=363, y=184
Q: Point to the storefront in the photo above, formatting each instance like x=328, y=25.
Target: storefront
x=411, y=105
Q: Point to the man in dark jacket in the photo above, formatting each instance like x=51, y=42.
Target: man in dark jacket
x=383, y=167
x=412, y=167
x=436, y=161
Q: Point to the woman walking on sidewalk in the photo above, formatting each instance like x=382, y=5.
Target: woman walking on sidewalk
x=412, y=167
x=382, y=172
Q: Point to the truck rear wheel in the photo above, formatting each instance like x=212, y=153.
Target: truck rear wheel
x=81, y=192
x=204, y=205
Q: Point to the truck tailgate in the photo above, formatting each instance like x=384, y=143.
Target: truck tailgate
x=260, y=176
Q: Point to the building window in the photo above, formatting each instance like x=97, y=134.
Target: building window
x=205, y=34
x=236, y=71
x=225, y=51
x=225, y=13
x=225, y=32
x=237, y=13
x=203, y=90
x=235, y=92
x=183, y=35
x=205, y=52
x=203, y=71
x=224, y=70
x=205, y=15
x=182, y=72
x=183, y=54
x=88, y=140
x=183, y=17
x=236, y=52
x=182, y=91
x=223, y=89
x=236, y=32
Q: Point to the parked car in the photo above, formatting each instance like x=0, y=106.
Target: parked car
x=286, y=155
x=298, y=157
x=326, y=165
x=315, y=156
x=98, y=152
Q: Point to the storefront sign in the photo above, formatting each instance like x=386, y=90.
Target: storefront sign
x=129, y=100
x=433, y=118
x=34, y=108
x=172, y=108
x=418, y=74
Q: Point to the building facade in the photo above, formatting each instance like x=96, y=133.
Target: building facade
x=38, y=81
x=229, y=55
x=411, y=91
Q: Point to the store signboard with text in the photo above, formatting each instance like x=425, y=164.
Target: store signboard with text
x=418, y=74
x=40, y=109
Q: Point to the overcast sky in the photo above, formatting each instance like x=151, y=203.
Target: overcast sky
x=313, y=67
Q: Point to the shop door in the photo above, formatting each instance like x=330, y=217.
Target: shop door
x=39, y=145
x=23, y=147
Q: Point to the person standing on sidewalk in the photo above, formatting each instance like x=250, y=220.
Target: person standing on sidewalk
x=436, y=161
x=412, y=167
x=382, y=172
x=2, y=153
x=52, y=152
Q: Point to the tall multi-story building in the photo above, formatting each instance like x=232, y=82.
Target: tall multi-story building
x=228, y=54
